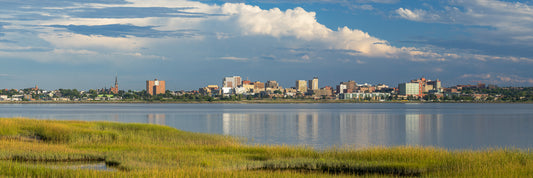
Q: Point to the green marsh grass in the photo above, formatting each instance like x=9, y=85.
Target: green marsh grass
x=140, y=150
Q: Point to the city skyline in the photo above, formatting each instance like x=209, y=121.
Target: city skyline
x=80, y=44
x=300, y=83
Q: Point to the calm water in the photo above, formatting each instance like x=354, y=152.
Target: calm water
x=452, y=126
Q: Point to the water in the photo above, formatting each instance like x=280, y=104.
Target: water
x=451, y=126
x=76, y=165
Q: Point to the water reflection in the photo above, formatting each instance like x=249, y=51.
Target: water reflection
x=362, y=129
x=316, y=129
x=369, y=129
x=423, y=129
x=158, y=119
x=454, y=126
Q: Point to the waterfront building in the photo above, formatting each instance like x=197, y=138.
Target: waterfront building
x=290, y=92
x=208, y=90
x=259, y=86
x=154, y=87
x=381, y=86
x=301, y=86
x=350, y=85
x=272, y=84
x=342, y=88
x=437, y=85
x=114, y=90
x=371, y=96
x=313, y=84
x=425, y=86
x=232, y=82
x=248, y=87
x=227, y=91
x=212, y=87
x=409, y=89
x=326, y=91
x=240, y=90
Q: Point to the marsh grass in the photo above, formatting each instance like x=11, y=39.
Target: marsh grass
x=142, y=150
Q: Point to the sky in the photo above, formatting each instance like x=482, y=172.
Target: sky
x=190, y=44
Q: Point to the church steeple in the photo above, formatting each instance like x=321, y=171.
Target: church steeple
x=114, y=90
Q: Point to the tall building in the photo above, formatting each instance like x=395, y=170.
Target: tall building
x=409, y=89
x=313, y=84
x=437, y=84
x=114, y=90
x=272, y=84
x=154, y=87
x=232, y=82
x=341, y=88
x=350, y=85
x=301, y=86
x=425, y=86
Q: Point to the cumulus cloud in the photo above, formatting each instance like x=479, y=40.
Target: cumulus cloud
x=108, y=28
x=77, y=29
x=313, y=1
x=301, y=24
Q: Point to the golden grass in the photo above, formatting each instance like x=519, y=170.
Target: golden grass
x=142, y=150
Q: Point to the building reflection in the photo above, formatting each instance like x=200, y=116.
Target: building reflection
x=158, y=119
x=307, y=126
x=236, y=124
x=423, y=129
x=368, y=129
x=292, y=128
x=362, y=129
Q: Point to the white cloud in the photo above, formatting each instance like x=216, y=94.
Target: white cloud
x=67, y=40
x=274, y=22
x=417, y=15
x=481, y=76
x=306, y=57
x=232, y=58
x=511, y=18
x=292, y=28
x=505, y=58
x=410, y=15
x=300, y=24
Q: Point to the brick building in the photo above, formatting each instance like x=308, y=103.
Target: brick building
x=154, y=87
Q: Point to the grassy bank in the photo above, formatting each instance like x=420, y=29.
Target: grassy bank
x=27, y=147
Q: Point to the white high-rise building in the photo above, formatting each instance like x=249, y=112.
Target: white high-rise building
x=313, y=84
x=232, y=82
x=409, y=88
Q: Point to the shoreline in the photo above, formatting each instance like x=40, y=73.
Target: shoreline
x=257, y=102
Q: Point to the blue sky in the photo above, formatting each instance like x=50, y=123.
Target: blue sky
x=190, y=44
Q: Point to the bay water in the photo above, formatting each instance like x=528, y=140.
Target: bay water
x=446, y=125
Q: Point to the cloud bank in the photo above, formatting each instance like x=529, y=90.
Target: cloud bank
x=138, y=33
x=499, y=29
